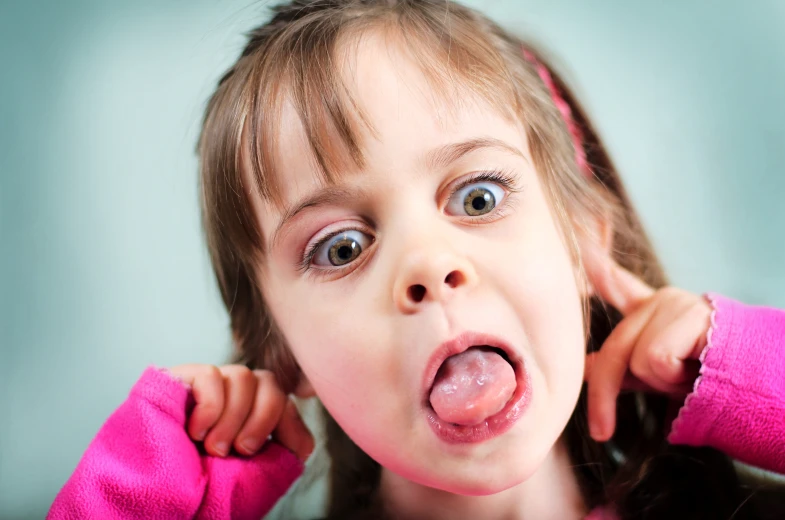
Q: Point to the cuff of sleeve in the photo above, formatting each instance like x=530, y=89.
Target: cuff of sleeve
x=167, y=393
x=249, y=488
x=706, y=403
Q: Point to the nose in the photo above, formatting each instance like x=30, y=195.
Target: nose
x=431, y=275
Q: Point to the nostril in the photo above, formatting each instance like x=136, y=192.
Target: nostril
x=417, y=293
x=454, y=279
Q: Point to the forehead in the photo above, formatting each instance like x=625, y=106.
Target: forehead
x=401, y=115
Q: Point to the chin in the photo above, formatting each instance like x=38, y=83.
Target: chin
x=481, y=480
x=480, y=487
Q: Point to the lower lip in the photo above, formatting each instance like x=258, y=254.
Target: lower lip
x=492, y=426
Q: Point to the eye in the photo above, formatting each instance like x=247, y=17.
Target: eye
x=475, y=199
x=341, y=249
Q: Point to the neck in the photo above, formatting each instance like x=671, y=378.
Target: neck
x=550, y=493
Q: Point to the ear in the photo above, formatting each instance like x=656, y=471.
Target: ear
x=304, y=388
x=596, y=243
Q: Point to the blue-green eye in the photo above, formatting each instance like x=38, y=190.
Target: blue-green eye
x=475, y=199
x=341, y=249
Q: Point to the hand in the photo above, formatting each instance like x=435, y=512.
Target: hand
x=655, y=347
x=238, y=407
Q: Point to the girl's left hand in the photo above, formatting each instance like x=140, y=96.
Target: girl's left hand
x=655, y=347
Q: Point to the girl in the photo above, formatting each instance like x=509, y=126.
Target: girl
x=411, y=218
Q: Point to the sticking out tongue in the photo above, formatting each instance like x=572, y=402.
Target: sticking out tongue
x=472, y=386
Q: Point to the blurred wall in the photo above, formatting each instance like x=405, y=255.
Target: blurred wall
x=103, y=266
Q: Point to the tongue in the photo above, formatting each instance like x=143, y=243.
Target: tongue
x=472, y=386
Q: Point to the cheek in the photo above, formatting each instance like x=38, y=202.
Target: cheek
x=323, y=337
x=548, y=305
x=336, y=346
x=554, y=323
x=351, y=372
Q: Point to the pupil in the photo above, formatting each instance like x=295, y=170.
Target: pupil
x=478, y=203
x=344, y=251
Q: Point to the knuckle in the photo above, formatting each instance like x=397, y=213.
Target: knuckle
x=701, y=309
x=190, y=370
x=233, y=370
x=660, y=354
x=210, y=372
x=244, y=376
x=689, y=304
x=181, y=369
x=669, y=292
x=661, y=361
x=262, y=374
x=267, y=380
x=638, y=367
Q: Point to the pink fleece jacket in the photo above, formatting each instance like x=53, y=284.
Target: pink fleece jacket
x=142, y=464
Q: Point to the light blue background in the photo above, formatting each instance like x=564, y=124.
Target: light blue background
x=103, y=266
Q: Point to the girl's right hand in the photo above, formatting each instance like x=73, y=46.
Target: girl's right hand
x=238, y=407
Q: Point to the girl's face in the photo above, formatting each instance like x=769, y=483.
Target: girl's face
x=370, y=277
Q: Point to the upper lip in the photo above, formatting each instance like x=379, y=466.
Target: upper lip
x=459, y=344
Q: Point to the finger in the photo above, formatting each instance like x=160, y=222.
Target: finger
x=239, y=390
x=608, y=370
x=587, y=367
x=207, y=388
x=292, y=432
x=630, y=382
x=616, y=285
x=268, y=407
x=651, y=351
x=667, y=359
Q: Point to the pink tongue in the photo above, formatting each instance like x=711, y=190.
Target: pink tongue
x=472, y=386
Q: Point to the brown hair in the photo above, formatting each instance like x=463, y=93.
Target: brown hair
x=462, y=50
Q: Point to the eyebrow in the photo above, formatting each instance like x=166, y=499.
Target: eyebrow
x=446, y=155
x=438, y=158
x=328, y=196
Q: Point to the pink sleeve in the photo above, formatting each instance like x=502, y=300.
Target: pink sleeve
x=142, y=464
x=738, y=403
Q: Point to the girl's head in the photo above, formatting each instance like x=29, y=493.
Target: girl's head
x=381, y=177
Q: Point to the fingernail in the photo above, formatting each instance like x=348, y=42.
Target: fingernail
x=222, y=448
x=201, y=435
x=249, y=445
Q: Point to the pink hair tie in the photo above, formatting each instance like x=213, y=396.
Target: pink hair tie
x=564, y=109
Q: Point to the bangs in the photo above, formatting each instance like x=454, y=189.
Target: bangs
x=304, y=64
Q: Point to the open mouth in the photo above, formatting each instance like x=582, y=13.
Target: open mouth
x=476, y=387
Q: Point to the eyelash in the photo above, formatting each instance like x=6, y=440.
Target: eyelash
x=503, y=178
x=305, y=263
x=500, y=177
